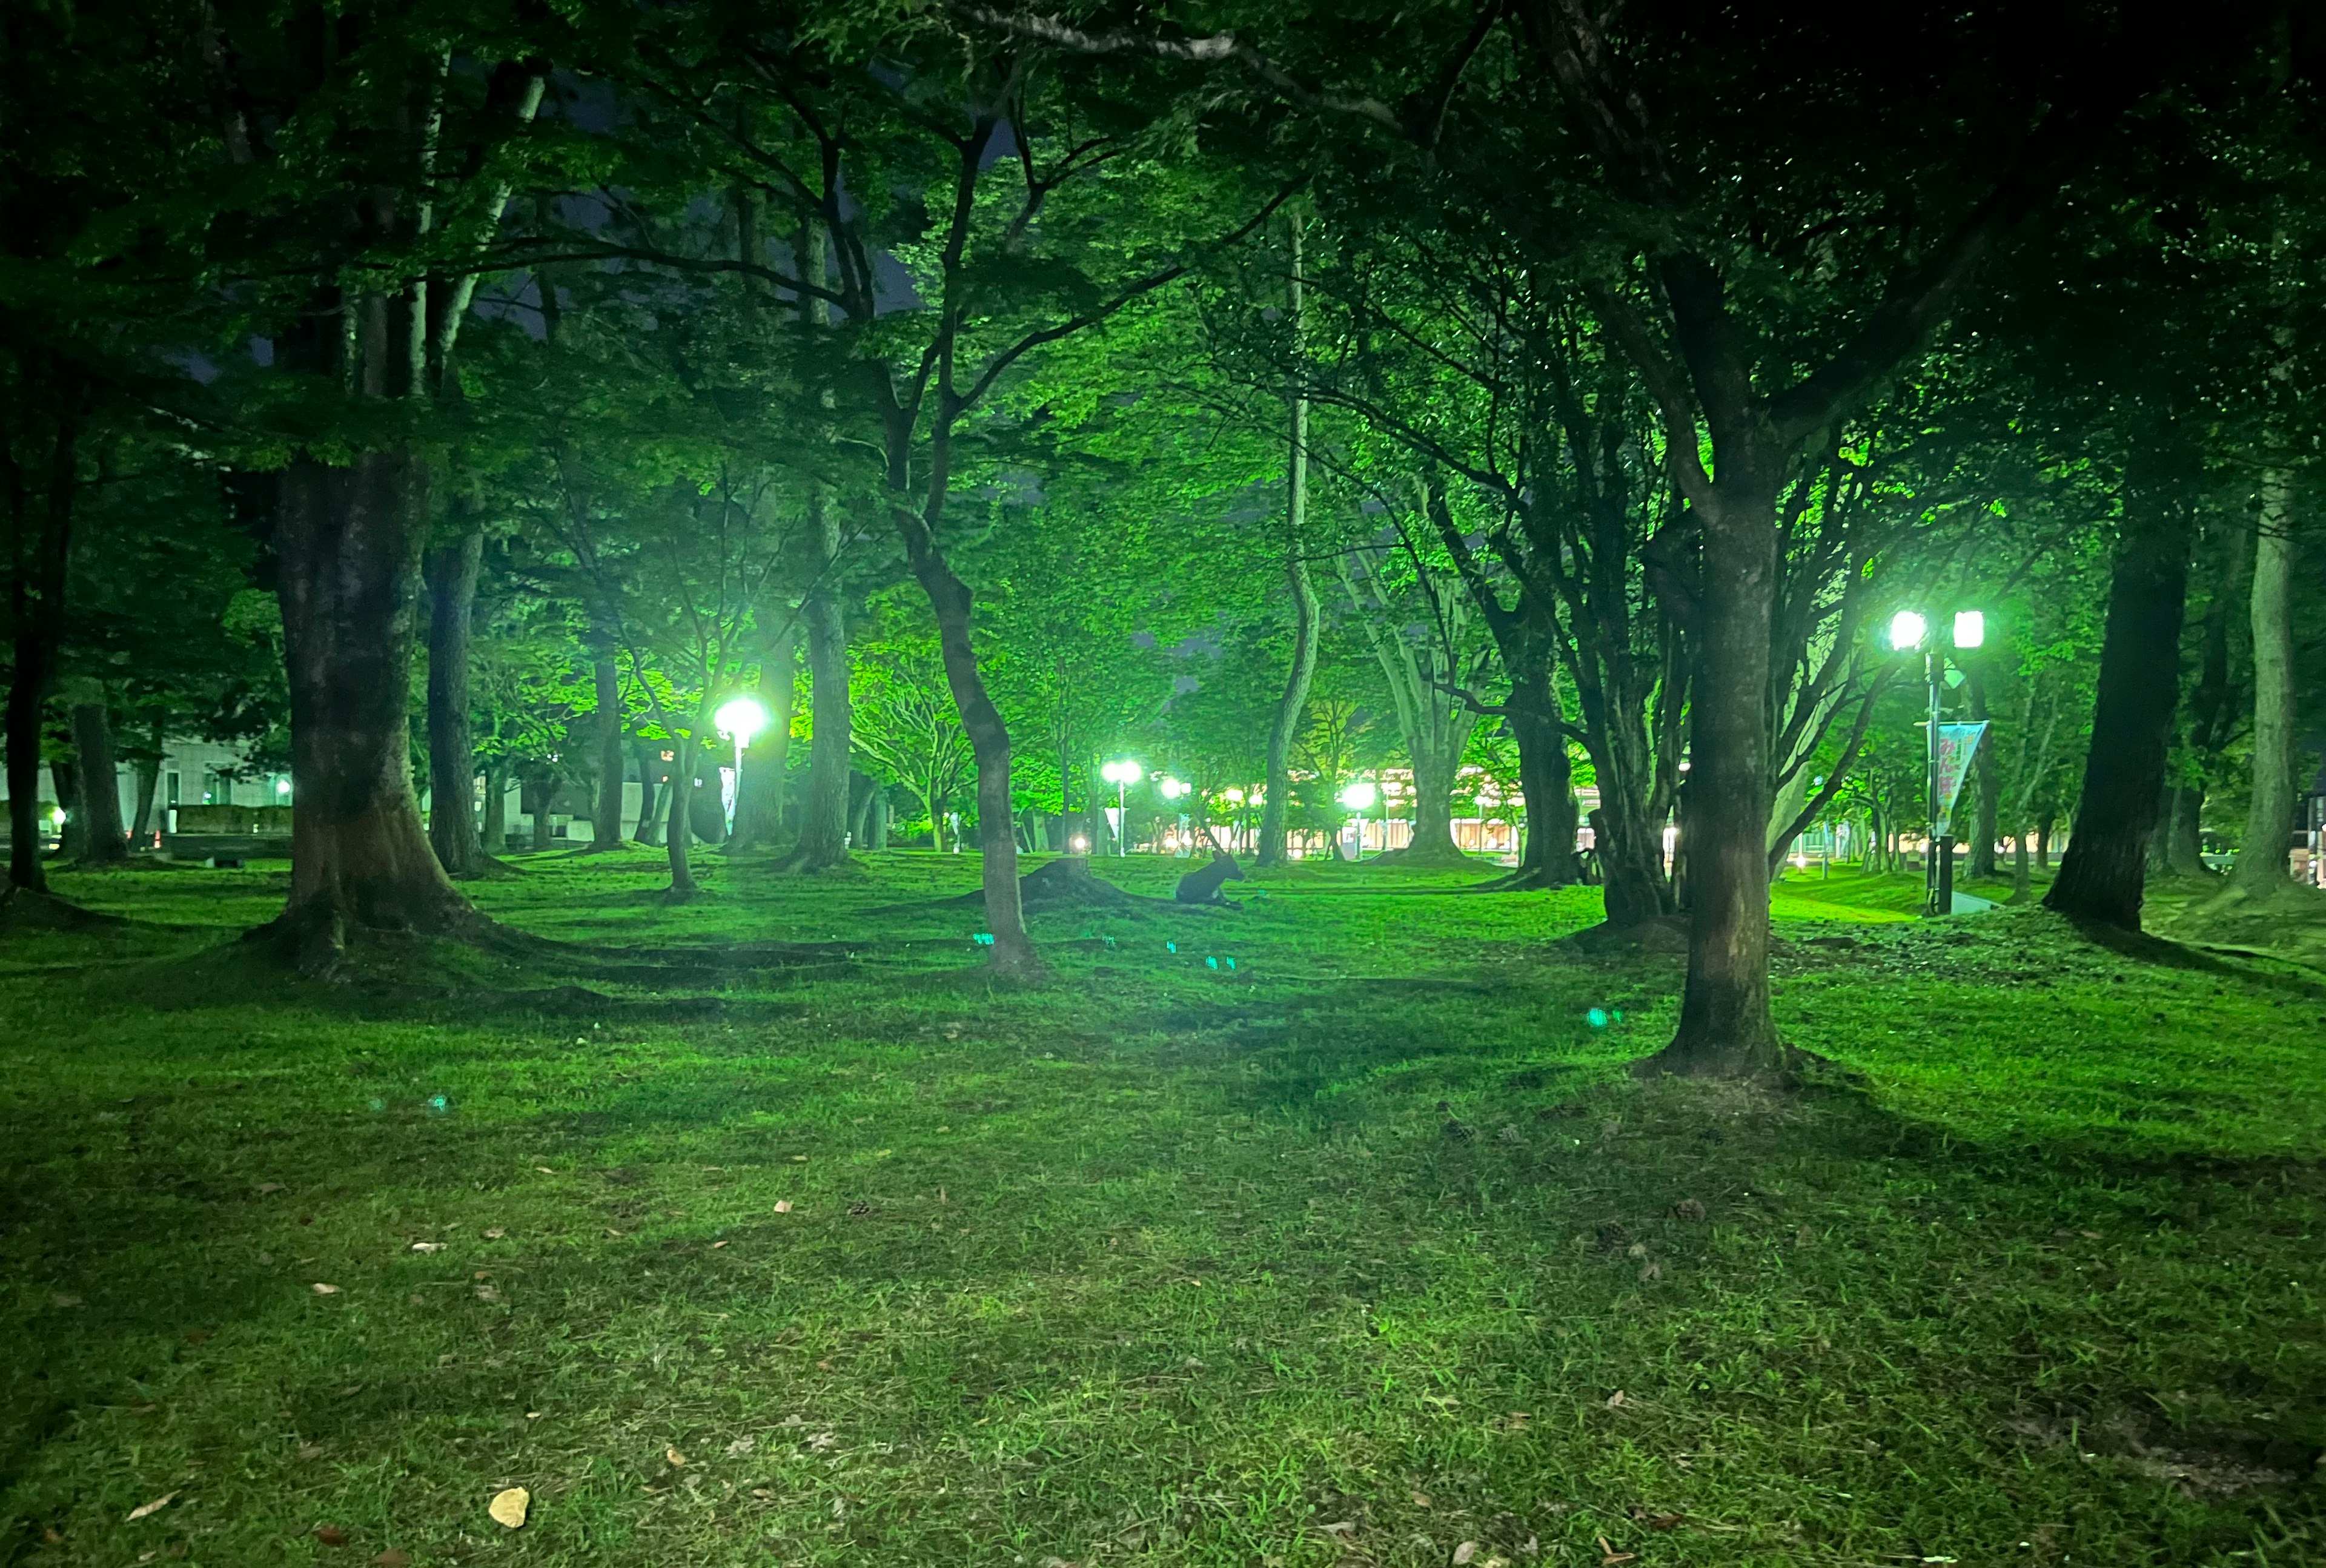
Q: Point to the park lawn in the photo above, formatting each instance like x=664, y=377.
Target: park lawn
x=1359, y=1250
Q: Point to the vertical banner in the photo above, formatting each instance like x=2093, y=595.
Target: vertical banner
x=1956, y=744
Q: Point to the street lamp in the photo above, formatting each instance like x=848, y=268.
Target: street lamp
x=742, y=718
x=1122, y=775
x=1909, y=630
x=1359, y=797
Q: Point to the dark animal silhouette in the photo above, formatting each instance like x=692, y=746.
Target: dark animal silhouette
x=1203, y=886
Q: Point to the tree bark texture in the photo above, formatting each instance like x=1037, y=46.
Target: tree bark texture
x=39, y=549
x=1307, y=621
x=1987, y=777
x=1726, y=1027
x=104, y=842
x=2261, y=862
x=348, y=543
x=766, y=763
x=652, y=800
x=1546, y=779
x=2100, y=877
x=606, y=810
x=496, y=831
x=149, y=779
x=824, y=808
x=678, y=829
x=452, y=572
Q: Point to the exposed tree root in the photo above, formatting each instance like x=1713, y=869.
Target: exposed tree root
x=1665, y=934
x=1420, y=860
x=21, y=909
x=1525, y=879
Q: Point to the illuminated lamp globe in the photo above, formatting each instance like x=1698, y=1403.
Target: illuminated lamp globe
x=1906, y=629
x=1970, y=628
x=1360, y=796
x=741, y=719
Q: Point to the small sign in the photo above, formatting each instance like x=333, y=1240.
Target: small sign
x=1957, y=743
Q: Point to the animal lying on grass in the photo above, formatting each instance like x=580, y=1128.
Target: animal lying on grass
x=1202, y=886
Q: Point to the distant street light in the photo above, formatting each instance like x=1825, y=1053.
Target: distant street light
x=1909, y=630
x=1173, y=789
x=1122, y=775
x=742, y=718
x=1359, y=797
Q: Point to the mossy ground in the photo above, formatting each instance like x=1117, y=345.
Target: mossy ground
x=1356, y=1252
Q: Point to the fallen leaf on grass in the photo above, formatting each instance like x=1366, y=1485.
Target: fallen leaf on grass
x=1662, y=1521
x=545, y=1170
x=1344, y=1527
x=330, y=1536
x=268, y=1187
x=320, y=1288
x=1690, y=1209
x=1421, y=1500
x=487, y=1293
x=509, y=1507
x=717, y=1244
x=741, y=1446
x=782, y=1205
x=1464, y=1552
x=427, y=1247
x=64, y=1301
x=1651, y=1271
x=1609, y=1556
x=494, y=1234
x=393, y=1558
x=673, y=1455
x=311, y=1450
x=155, y=1507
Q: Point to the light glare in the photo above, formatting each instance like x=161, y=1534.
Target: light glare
x=1906, y=629
x=1359, y=796
x=742, y=718
x=1970, y=628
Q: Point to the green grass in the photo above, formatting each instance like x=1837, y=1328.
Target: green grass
x=1158, y=1262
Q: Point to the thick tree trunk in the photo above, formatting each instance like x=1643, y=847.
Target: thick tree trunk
x=653, y=801
x=103, y=840
x=2043, y=842
x=348, y=546
x=495, y=831
x=2261, y=863
x=759, y=804
x=452, y=572
x=2022, y=880
x=149, y=780
x=878, y=828
x=1546, y=779
x=73, y=838
x=2184, y=839
x=37, y=610
x=606, y=809
x=824, y=812
x=1987, y=777
x=1726, y=1027
x=2100, y=878
x=1307, y=613
x=678, y=829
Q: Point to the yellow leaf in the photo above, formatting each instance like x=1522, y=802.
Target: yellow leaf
x=509, y=1507
x=320, y=1288
x=155, y=1507
x=673, y=1455
x=782, y=1205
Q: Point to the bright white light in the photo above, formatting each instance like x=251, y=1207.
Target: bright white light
x=1970, y=628
x=1078, y=844
x=1174, y=788
x=1359, y=796
x=1906, y=629
x=1123, y=772
x=1234, y=797
x=58, y=816
x=742, y=718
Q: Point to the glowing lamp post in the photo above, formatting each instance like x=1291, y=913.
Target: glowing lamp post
x=1359, y=797
x=1910, y=630
x=1122, y=775
x=741, y=719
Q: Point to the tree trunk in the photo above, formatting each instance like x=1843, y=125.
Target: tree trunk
x=2100, y=878
x=823, y=812
x=2184, y=842
x=451, y=573
x=37, y=610
x=347, y=543
x=760, y=798
x=1546, y=779
x=861, y=788
x=2043, y=842
x=73, y=838
x=1307, y=613
x=1988, y=778
x=653, y=800
x=678, y=828
x=103, y=841
x=878, y=829
x=1726, y=1027
x=988, y=745
x=149, y=780
x=2022, y=882
x=606, y=810
x=496, y=832
x=2261, y=863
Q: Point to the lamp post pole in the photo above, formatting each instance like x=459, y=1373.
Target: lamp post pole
x=1939, y=873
